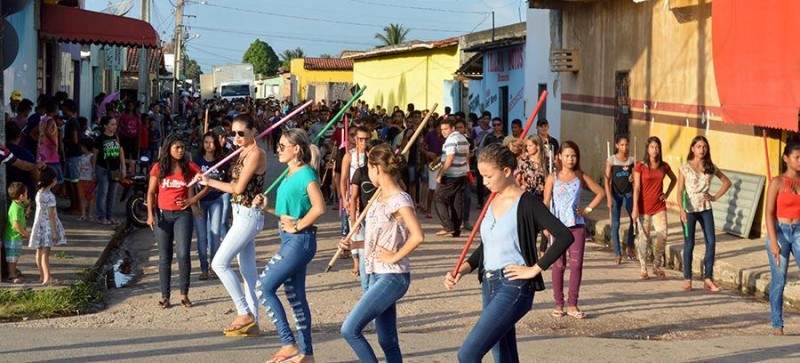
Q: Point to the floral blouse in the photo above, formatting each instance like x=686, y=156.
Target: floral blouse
x=532, y=177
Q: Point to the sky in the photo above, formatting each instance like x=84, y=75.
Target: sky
x=226, y=28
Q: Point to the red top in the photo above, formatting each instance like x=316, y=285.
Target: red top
x=173, y=186
x=652, y=187
x=788, y=203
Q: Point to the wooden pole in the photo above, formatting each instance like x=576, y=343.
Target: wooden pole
x=363, y=214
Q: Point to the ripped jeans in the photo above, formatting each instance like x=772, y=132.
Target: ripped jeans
x=288, y=268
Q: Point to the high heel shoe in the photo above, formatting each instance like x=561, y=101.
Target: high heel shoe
x=246, y=330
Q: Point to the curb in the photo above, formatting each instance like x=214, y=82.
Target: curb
x=743, y=279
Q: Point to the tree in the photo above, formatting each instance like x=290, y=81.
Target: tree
x=191, y=69
x=262, y=57
x=325, y=55
x=289, y=54
x=392, y=35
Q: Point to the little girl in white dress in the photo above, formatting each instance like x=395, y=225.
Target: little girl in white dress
x=47, y=229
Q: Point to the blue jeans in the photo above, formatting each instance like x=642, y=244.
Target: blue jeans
x=617, y=201
x=240, y=242
x=789, y=241
x=706, y=220
x=226, y=213
x=504, y=303
x=288, y=268
x=106, y=194
x=378, y=304
x=208, y=228
x=174, y=227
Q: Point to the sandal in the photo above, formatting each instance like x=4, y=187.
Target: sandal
x=619, y=260
x=444, y=233
x=557, y=313
x=643, y=274
x=577, y=314
x=186, y=303
x=17, y=280
x=428, y=215
x=164, y=304
x=282, y=358
x=661, y=273
x=710, y=286
x=687, y=285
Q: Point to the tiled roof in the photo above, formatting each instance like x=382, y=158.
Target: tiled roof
x=328, y=64
x=410, y=46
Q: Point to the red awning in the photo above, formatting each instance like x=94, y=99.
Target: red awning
x=757, y=61
x=76, y=25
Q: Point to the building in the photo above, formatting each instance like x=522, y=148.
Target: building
x=415, y=72
x=66, y=48
x=677, y=70
x=321, y=78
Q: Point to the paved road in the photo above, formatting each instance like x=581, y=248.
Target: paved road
x=126, y=345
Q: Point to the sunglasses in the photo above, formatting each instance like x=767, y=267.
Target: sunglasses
x=239, y=133
x=282, y=147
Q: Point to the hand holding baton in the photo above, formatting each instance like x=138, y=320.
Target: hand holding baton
x=259, y=136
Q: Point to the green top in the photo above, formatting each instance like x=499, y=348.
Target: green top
x=16, y=212
x=292, y=199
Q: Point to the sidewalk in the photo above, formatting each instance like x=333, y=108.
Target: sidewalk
x=85, y=242
x=741, y=264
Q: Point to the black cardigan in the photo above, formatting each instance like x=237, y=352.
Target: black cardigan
x=532, y=218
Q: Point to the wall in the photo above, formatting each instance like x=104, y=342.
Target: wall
x=537, y=69
x=22, y=73
x=504, y=67
x=672, y=87
x=414, y=77
x=305, y=77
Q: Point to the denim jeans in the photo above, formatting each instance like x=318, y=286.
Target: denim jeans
x=504, y=303
x=449, y=202
x=706, y=220
x=288, y=268
x=106, y=194
x=240, y=242
x=174, y=226
x=576, y=252
x=208, y=227
x=467, y=204
x=226, y=213
x=789, y=241
x=617, y=201
x=379, y=304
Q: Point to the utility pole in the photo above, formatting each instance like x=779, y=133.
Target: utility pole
x=144, y=64
x=177, y=45
x=3, y=269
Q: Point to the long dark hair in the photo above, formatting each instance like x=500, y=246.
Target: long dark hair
x=646, y=158
x=165, y=159
x=218, y=152
x=708, y=166
x=46, y=177
x=788, y=150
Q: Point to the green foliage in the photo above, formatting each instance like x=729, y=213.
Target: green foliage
x=289, y=54
x=392, y=35
x=262, y=57
x=191, y=69
x=325, y=55
x=16, y=304
x=62, y=255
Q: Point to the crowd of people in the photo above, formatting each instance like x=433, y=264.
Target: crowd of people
x=535, y=220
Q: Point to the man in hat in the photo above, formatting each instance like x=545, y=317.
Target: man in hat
x=13, y=103
x=549, y=142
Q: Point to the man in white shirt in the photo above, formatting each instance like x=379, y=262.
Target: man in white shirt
x=452, y=179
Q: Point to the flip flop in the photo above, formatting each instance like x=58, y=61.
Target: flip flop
x=444, y=233
x=186, y=303
x=557, y=313
x=281, y=358
x=164, y=304
x=577, y=314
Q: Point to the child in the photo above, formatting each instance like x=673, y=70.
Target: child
x=155, y=139
x=47, y=229
x=15, y=229
x=86, y=183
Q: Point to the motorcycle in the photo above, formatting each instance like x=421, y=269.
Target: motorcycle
x=135, y=191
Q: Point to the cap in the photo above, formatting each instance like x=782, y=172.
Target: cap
x=16, y=95
x=542, y=122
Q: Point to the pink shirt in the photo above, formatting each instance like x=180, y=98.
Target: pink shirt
x=384, y=230
x=48, y=150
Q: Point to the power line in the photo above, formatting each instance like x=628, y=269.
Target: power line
x=418, y=7
x=250, y=11
x=211, y=53
x=268, y=36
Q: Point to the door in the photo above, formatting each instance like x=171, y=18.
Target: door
x=622, y=111
x=542, y=111
x=503, y=102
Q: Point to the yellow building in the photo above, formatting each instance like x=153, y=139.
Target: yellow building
x=413, y=72
x=646, y=69
x=321, y=78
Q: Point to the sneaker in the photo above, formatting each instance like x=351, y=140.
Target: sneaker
x=203, y=276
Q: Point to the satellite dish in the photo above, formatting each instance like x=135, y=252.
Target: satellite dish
x=120, y=9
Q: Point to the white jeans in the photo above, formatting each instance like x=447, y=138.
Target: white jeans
x=240, y=242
